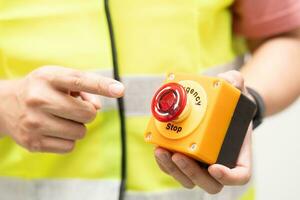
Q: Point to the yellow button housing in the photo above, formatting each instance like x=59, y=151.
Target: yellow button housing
x=201, y=129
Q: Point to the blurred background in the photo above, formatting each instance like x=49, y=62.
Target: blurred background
x=276, y=153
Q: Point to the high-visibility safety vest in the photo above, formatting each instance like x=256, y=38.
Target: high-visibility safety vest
x=152, y=37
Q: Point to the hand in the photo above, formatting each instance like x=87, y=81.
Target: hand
x=48, y=109
x=189, y=173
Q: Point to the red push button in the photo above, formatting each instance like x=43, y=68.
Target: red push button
x=169, y=102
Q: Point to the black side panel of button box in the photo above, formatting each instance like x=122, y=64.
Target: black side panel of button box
x=236, y=132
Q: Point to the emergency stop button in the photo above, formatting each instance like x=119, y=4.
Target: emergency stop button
x=205, y=118
x=169, y=102
x=178, y=108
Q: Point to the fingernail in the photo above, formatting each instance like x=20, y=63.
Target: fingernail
x=181, y=163
x=218, y=174
x=116, y=88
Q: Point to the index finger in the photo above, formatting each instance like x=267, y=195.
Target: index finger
x=77, y=81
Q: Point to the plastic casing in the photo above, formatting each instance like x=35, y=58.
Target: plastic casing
x=208, y=137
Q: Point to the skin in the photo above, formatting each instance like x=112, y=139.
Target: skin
x=190, y=174
x=280, y=56
x=274, y=72
x=70, y=103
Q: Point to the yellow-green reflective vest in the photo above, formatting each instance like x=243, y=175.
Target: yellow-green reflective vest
x=152, y=37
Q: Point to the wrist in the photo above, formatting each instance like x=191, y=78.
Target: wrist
x=8, y=89
x=260, y=107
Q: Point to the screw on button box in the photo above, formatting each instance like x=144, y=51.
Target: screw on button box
x=203, y=117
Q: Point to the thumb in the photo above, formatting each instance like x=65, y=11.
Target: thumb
x=93, y=99
x=235, y=78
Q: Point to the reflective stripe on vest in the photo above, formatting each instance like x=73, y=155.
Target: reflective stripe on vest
x=73, y=189
x=140, y=88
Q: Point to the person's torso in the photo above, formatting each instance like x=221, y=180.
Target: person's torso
x=153, y=37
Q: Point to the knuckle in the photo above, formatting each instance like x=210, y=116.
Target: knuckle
x=42, y=72
x=52, y=79
x=34, y=99
x=32, y=123
x=77, y=82
x=25, y=140
x=35, y=146
x=101, y=86
x=190, y=172
x=31, y=144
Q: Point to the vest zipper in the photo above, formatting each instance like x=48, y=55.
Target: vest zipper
x=121, y=106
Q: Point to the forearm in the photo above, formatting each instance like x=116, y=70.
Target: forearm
x=274, y=72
